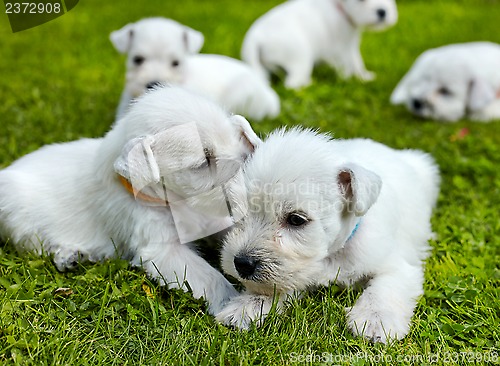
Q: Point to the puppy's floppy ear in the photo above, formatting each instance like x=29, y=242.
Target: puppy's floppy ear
x=122, y=38
x=137, y=163
x=359, y=186
x=400, y=93
x=193, y=40
x=249, y=137
x=480, y=94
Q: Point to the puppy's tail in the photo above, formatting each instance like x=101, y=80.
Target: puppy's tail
x=251, y=53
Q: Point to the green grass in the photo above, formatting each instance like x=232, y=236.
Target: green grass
x=62, y=81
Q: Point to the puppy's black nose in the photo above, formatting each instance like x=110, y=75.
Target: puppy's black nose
x=381, y=13
x=417, y=104
x=152, y=85
x=245, y=265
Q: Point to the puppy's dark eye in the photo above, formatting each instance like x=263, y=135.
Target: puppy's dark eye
x=296, y=219
x=444, y=91
x=175, y=63
x=138, y=60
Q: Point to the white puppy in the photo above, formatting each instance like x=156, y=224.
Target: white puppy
x=161, y=50
x=323, y=211
x=297, y=34
x=125, y=194
x=452, y=82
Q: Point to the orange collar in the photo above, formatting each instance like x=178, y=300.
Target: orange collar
x=139, y=195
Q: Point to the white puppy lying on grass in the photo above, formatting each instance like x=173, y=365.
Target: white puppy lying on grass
x=297, y=34
x=452, y=82
x=323, y=211
x=126, y=194
x=161, y=50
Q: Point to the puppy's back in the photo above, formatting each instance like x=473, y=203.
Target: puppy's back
x=403, y=172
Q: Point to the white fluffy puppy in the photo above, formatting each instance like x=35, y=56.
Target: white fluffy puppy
x=322, y=211
x=93, y=199
x=452, y=82
x=296, y=34
x=161, y=50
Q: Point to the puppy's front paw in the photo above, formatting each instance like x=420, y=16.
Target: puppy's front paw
x=244, y=310
x=377, y=325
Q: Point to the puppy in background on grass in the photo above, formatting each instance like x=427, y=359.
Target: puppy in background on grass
x=453, y=82
x=155, y=182
x=323, y=211
x=161, y=50
x=297, y=34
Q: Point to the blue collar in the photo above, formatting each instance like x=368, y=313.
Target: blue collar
x=354, y=230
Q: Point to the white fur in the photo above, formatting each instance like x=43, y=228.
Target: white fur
x=453, y=82
x=67, y=200
x=299, y=33
x=335, y=184
x=170, y=55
